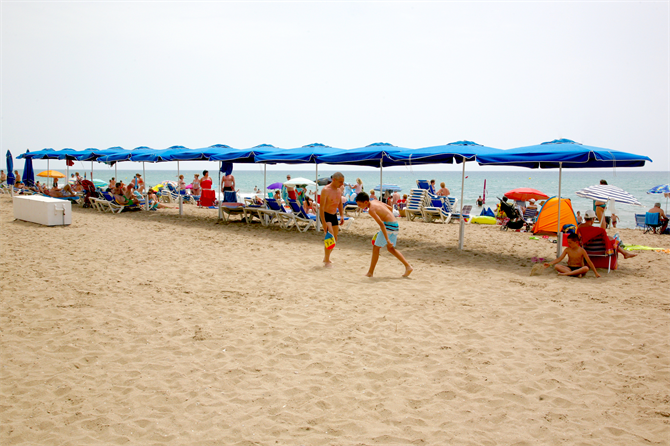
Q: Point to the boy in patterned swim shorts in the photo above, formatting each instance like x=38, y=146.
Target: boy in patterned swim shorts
x=387, y=236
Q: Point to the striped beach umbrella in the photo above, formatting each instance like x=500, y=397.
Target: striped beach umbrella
x=604, y=192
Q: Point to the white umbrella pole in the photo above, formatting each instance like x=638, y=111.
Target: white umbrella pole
x=91, y=171
x=181, y=205
x=146, y=190
x=461, y=229
x=265, y=180
x=116, y=174
x=381, y=177
x=316, y=180
x=67, y=173
x=559, y=235
x=220, y=192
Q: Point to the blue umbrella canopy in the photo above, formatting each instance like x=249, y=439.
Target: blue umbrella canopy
x=10, y=169
x=445, y=154
x=239, y=156
x=155, y=156
x=28, y=173
x=123, y=155
x=41, y=154
x=661, y=189
x=376, y=155
x=304, y=154
x=562, y=152
x=391, y=187
x=203, y=154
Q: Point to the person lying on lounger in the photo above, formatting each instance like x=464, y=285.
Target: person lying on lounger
x=576, y=257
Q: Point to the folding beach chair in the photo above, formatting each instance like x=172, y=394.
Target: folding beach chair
x=301, y=221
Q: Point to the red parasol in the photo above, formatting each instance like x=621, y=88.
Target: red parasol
x=525, y=194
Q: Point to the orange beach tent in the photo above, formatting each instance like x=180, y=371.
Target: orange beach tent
x=547, y=218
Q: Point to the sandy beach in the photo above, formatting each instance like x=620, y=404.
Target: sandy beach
x=154, y=329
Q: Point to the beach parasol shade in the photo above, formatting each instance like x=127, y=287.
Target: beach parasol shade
x=525, y=194
x=603, y=192
x=28, y=173
x=275, y=186
x=299, y=181
x=51, y=174
x=10, y=169
x=391, y=187
x=662, y=189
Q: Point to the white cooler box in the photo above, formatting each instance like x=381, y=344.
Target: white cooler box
x=42, y=210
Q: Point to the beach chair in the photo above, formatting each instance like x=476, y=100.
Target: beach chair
x=423, y=184
x=436, y=211
x=417, y=200
x=652, y=222
x=110, y=204
x=350, y=207
x=640, y=221
x=279, y=214
x=601, y=249
x=230, y=206
x=347, y=221
x=529, y=216
x=301, y=221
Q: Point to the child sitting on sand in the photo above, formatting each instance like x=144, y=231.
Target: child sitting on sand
x=576, y=256
x=383, y=215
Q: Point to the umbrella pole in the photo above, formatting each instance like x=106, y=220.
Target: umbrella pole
x=558, y=229
x=92, y=172
x=316, y=180
x=220, y=192
x=116, y=174
x=47, y=174
x=181, y=205
x=146, y=191
x=461, y=229
x=381, y=182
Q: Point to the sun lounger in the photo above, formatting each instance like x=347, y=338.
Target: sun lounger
x=301, y=221
x=279, y=214
x=350, y=207
x=417, y=200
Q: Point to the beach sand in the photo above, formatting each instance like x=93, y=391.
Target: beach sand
x=155, y=329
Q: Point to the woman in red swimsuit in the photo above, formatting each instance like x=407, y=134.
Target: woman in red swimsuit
x=206, y=182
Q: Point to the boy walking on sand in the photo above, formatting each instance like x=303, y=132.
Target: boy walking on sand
x=576, y=256
x=388, y=234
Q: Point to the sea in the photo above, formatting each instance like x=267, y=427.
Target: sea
x=498, y=182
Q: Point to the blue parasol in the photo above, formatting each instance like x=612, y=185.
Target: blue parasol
x=10, y=169
x=28, y=172
x=391, y=187
x=662, y=189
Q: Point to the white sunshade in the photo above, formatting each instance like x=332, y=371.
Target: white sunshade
x=299, y=181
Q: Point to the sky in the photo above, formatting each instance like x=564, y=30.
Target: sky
x=104, y=74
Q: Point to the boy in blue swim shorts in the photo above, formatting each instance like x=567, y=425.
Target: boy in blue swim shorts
x=387, y=236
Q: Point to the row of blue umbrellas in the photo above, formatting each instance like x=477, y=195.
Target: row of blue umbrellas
x=554, y=154
x=558, y=154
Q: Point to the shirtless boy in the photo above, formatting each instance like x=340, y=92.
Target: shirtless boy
x=383, y=215
x=331, y=202
x=576, y=256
